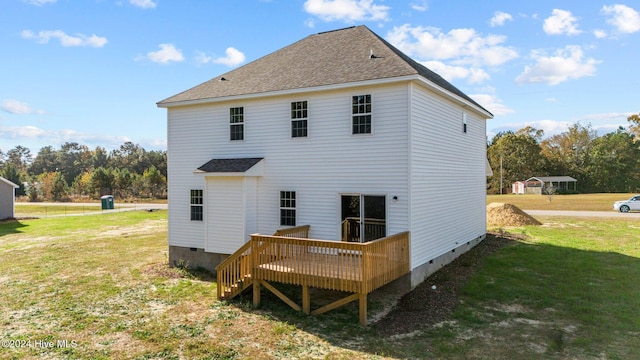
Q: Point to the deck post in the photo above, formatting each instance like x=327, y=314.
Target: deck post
x=254, y=263
x=306, y=300
x=256, y=293
x=363, y=309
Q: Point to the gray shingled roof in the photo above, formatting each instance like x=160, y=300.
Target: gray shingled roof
x=238, y=165
x=328, y=58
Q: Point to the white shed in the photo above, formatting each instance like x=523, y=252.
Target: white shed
x=7, y=198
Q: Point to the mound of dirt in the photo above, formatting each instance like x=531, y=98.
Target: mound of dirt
x=501, y=214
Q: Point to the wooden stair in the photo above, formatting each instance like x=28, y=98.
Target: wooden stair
x=235, y=272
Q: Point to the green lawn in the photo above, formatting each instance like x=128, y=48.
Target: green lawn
x=98, y=287
x=583, y=202
x=40, y=210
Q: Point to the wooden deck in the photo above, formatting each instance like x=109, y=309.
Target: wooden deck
x=358, y=268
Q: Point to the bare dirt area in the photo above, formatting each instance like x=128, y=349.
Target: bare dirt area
x=426, y=306
x=434, y=300
x=502, y=214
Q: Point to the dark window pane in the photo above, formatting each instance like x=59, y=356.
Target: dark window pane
x=237, y=132
x=287, y=217
x=196, y=213
x=299, y=128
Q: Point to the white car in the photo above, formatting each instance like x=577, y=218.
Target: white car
x=627, y=205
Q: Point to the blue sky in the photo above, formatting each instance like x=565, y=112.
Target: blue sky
x=91, y=71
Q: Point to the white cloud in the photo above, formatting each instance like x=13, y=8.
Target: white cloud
x=599, y=34
x=65, y=40
x=462, y=46
x=25, y=133
x=39, y=2
x=347, y=10
x=625, y=19
x=421, y=6
x=18, y=107
x=464, y=50
x=492, y=103
x=202, y=58
x=234, y=57
x=561, y=22
x=499, y=18
x=167, y=53
x=566, y=64
x=145, y=4
x=452, y=72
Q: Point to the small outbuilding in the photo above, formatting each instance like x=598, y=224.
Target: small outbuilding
x=537, y=184
x=7, y=198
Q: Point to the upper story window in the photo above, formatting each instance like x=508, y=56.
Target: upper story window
x=361, y=114
x=197, y=208
x=236, y=123
x=464, y=122
x=299, y=119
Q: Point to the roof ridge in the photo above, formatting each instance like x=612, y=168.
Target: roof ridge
x=330, y=31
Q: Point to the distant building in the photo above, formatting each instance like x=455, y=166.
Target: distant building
x=537, y=184
x=7, y=198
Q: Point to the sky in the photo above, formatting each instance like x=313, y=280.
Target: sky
x=92, y=71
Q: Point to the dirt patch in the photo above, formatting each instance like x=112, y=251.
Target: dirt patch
x=426, y=306
x=501, y=214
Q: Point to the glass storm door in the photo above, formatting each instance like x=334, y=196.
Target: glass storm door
x=364, y=217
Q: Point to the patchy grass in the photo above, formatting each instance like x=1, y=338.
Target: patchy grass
x=98, y=287
x=583, y=202
x=40, y=210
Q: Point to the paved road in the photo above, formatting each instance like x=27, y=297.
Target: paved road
x=611, y=214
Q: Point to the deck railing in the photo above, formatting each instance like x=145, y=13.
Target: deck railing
x=298, y=232
x=358, y=268
x=373, y=229
x=343, y=266
x=235, y=272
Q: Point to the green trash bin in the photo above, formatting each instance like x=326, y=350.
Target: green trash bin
x=107, y=202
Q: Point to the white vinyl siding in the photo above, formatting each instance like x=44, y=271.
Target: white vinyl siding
x=7, y=198
x=322, y=167
x=225, y=215
x=447, y=177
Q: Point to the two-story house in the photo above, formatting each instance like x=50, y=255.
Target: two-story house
x=341, y=131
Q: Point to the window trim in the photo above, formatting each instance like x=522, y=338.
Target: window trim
x=236, y=120
x=299, y=115
x=464, y=122
x=196, y=201
x=366, y=113
x=288, y=207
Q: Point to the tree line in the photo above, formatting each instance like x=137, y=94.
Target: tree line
x=75, y=171
x=607, y=163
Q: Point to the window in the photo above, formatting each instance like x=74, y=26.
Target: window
x=236, y=120
x=287, y=208
x=196, y=205
x=464, y=122
x=361, y=114
x=299, y=119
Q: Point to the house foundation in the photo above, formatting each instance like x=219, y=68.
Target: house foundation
x=422, y=272
x=194, y=258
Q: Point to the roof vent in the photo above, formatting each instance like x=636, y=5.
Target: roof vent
x=223, y=79
x=371, y=55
